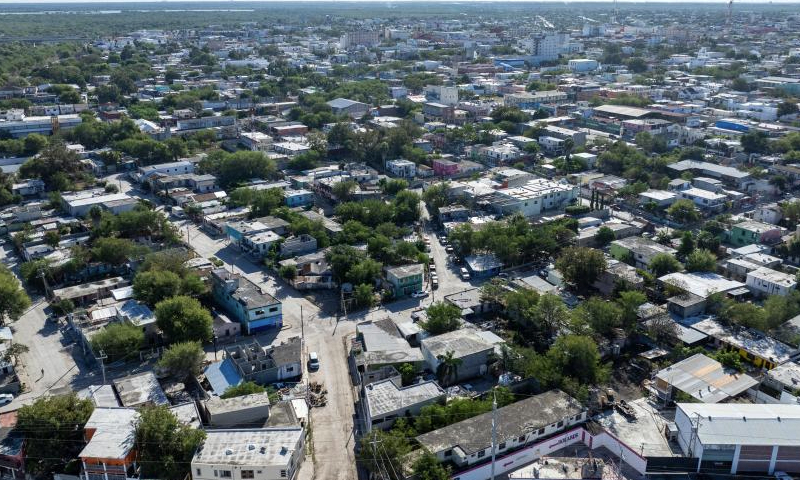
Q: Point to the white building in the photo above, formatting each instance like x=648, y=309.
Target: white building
x=80, y=203
x=249, y=454
x=180, y=167
x=385, y=401
x=256, y=141
x=752, y=438
x=401, y=168
x=766, y=281
x=704, y=199
x=18, y=125
x=581, y=65
x=536, y=196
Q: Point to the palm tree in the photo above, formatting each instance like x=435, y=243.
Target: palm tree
x=448, y=367
x=569, y=144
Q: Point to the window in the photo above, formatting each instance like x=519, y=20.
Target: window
x=273, y=309
x=289, y=369
x=225, y=474
x=198, y=472
x=501, y=446
x=447, y=453
x=216, y=474
x=521, y=439
x=259, y=312
x=283, y=473
x=481, y=453
x=561, y=423
x=247, y=474
x=541, y=431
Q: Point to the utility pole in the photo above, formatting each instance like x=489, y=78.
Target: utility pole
x=43, y=276
x=102, y=358
x=494, y=431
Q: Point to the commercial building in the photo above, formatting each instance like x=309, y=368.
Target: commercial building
x=704, y=199
x=385, y=401
x=352, y=108
x=253, y=308
x=359, y=38
x=181, y=167
x=79, y=204
x=583, y=65
x=250, y=454
x=19, y=126
x=469, y=442
x=740, y=438
x=533, y=100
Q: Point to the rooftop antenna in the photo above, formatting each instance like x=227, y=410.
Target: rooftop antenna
x=616, y=13
x=730, y=13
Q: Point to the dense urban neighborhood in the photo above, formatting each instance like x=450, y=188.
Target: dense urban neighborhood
x=396, y=241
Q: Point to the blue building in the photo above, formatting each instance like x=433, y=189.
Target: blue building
x=245, y=302
x=732, y=124
x=298, y=198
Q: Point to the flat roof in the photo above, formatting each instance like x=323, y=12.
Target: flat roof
x=249, y=446
x=520, y=418
x=702, y=284
x=622, y=110
x=774, y=276
x=385, y=397
x=705, y=379
x=114, y=432
x=141, y=389
x=462, y=342
x=726, y=423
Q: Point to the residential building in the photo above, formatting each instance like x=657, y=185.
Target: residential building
x=385, y=401
x=535, y=197
x=79, y=204
x=250, y=454
x=444, y=168
x=181, y=167
x=469, y=442
x=359, y=38
x=253, y=308
x=704, y=199
x=238, y=411
x=638, y=251
x=701, y=378
x=256, y=141
x=298, y=198
x=583, y=65
x=20, y=126
x=466, y=344
x=401, y=168
x=299, y=245
x=259, y=244
x=765, y=281
x=534, y=100
x=110, y=452
x=250, y=362
x=405, y=280
x=750, y=232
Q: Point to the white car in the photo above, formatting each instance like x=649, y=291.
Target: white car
x=419, y=294
x=313, y=361
x=6, y=398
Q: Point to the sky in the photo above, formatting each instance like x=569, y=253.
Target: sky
x=16, y=2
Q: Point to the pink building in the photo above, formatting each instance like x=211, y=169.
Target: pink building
x=444, y=168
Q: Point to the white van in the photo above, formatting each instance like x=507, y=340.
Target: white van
x=464, y=274
x=313, y=361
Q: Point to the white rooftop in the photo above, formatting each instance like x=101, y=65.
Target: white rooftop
x=764, y=424
x=702, y=284
x=385, y=397
x=249, y=446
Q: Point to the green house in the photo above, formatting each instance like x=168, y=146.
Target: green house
x=405, y=279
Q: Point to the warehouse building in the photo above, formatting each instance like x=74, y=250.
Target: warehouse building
x=740, y=438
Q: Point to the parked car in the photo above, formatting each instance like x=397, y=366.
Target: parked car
x=449, y=249
x=419, y=294
x=6, y=398
x=434, y=283
x=313, y=361
x=432, y=267
x=464, y=274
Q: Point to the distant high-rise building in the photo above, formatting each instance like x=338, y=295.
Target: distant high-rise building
x=360, y=38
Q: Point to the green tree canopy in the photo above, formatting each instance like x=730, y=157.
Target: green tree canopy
x=13, y=299
x=53, y=431
x=164, y=445
x=581, y=266
x=183, y=359
x=183, y=319
x=120, y=341
x=443, y=317
x=244, y=388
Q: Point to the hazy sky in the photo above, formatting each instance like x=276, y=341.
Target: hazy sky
x=16, y=2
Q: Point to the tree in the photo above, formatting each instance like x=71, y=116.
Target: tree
x=754, y=142
x=683, y=211
x=183, y=359
x=604, y=236
x=265, y=201
x=13, y=352
x=115, y=251
x=436, y=197
x=407, y=372
x=53, y=431
x=603, y=316
x=344, y=190
x=183, y=319
x=56, y=166
x=288, y=272
x=118, y=340
x=13, y=299
x=581, y=266
x=630, y=301
x=244, y=388
x=701, y=260
x=576, y=356
x=447, y=370
x=164, y=445
x=708, y=241
x=153, y=286
x=779, y=181
x=428, y=467
x=442, y=318
x=787, y=108
x=664, y=263
x=687, y=244
x=363, y=295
